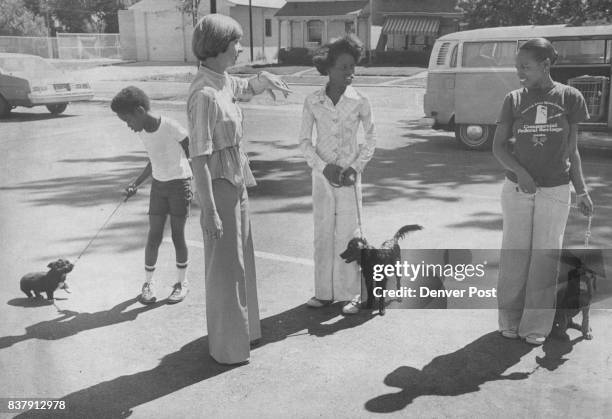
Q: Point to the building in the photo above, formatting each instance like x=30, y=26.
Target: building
x=157, y=30
x=413, y=25
x=308, y=24
x=396, y=29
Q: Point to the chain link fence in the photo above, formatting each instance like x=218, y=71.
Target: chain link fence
x=81, y=46
x=78, y=46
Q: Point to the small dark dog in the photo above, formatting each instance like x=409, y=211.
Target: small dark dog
x=575, y=297
x=48, y=282
x=360, y=251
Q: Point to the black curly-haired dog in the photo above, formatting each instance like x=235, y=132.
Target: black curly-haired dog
x=360, y=251
x=575, y=297
x=48, y=282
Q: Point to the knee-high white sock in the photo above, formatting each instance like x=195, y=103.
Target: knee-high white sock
x=149, y=271
x=181, y=273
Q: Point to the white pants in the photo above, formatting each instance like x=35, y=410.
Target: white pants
x=335, y=223
x=529, y=264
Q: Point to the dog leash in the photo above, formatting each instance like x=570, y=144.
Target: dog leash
x=101, y=228
x=358, y=210
x=587, y=233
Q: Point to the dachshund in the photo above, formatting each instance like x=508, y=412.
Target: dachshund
x=48, y=282
x=360, y=251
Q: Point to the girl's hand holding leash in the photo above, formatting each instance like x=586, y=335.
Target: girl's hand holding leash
x=213, y=226
x=584, y=204
x=348, y=177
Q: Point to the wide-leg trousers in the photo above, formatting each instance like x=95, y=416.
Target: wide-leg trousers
x=232, y=312
x=533, y=229
x=335, y=223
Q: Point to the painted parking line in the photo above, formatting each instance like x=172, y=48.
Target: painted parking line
x=259, y=254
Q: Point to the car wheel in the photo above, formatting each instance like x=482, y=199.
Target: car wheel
x=474, y=136
x=58, y=108
x=5, y=108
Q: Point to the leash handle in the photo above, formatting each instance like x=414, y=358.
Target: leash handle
x=358, y=210
x=587, y=233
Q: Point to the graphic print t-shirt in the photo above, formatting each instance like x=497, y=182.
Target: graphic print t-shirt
x=540, y=121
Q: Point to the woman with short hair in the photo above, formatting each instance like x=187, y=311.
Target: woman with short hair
x=543, y=118
x=221, y=175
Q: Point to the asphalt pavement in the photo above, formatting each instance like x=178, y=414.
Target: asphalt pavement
x=105, y=355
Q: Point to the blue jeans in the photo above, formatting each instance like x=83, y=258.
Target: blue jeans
x=529, y=263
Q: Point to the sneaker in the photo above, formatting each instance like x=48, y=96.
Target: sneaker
x=314, y=302
x=509, y=334
x=535, y=340
x=147, y=296
x=178, y=293
x=352, y=307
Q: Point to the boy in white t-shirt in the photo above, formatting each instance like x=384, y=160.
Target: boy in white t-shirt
x=166, y=143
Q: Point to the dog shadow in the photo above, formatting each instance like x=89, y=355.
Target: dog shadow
x=190, y=365
x=555, y=350
x=72, y=322
x=460, y=372
x=30, y=302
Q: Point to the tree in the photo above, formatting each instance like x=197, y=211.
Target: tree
x=17, y=20
x=491, y=13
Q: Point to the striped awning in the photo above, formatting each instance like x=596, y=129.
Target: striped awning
x=410, y=25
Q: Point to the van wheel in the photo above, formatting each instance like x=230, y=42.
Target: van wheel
x=475, y=137
x=5, y=108
x=58, y=108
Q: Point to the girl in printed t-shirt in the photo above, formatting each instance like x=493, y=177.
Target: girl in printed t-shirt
x=337, y=161
x=543, y=118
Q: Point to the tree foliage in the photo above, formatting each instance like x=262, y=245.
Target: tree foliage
x=17, y=20
x=491, y=13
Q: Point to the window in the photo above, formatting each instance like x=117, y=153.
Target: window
x=453, y=62
x=586, y=51
x=489, y=54
x=315, y=31
x=268, y=24
x=441, y=60
x=349, y=27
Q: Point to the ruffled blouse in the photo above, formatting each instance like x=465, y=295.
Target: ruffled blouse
x=215, y=125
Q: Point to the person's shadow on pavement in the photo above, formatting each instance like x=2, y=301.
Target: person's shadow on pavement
x=192, y=364
x=71, y=322
x=460, y=372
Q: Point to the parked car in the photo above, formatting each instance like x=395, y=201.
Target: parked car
x=29, y=80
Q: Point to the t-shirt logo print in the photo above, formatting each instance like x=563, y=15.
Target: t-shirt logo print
x=541, y=118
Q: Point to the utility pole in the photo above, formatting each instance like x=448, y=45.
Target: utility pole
x=251, y=28
x=213, y=6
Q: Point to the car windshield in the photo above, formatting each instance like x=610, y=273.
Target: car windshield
x=28, y=67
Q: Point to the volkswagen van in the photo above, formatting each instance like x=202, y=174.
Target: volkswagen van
x=29, y=80
x=471, y=72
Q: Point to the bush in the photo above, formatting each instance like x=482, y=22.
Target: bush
x=417, y=58
x=295, y=56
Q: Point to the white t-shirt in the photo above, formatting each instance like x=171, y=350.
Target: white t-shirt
x=167, y=156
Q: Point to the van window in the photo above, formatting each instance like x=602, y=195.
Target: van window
x=453, y=61
x=442, y=53
x=489, y=54
x=585, y=51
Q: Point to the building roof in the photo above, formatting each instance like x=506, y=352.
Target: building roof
x=525, y=32
x=155, y=5
x=417, y=6
x=322, y=8
x=270, y=4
